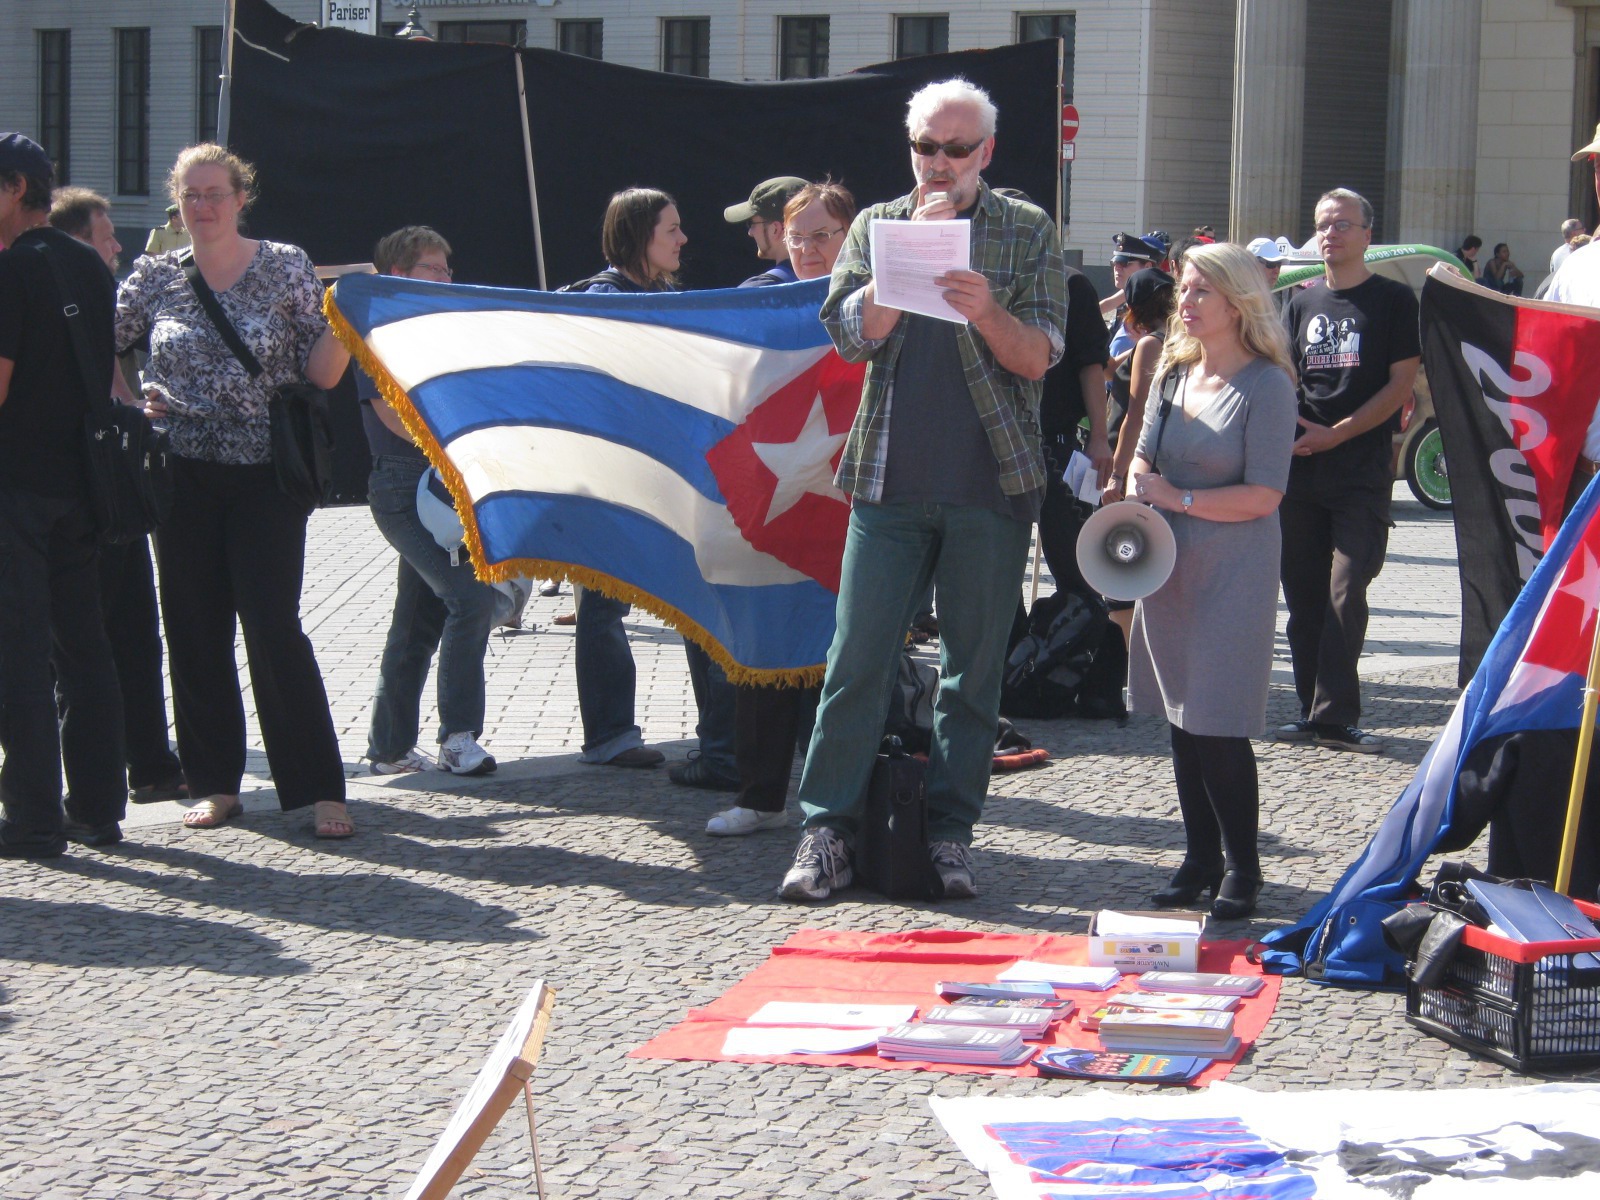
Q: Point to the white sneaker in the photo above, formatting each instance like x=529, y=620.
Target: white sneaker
x=821, y=866
x=412, y=760
x=737, y=821
x=461, y=755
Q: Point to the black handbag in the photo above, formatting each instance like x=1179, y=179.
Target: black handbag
x=128, y=460
x=301, y=426
x=892, y=848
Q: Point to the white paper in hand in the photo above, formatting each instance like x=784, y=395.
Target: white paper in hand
x=1080, y=477
x=907, y=256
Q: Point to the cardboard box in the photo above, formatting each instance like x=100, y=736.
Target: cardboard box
x=1131, y=956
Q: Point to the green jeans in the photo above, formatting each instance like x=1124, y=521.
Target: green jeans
x=975, y=559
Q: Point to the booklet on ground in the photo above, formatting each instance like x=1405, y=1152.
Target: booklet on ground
x=1029, y=1022
x=1201, y=982
x=1144, y=1043
x=956, y=1044
x=1128, y=1068
x=834, y=1016
x=770, y=1040
x=1094, y=979
x=1016, y=989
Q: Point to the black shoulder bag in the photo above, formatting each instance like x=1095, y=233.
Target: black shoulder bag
x=302, y=429
x=127, y=459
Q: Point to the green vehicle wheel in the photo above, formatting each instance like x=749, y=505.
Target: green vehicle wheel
x=1426, y=474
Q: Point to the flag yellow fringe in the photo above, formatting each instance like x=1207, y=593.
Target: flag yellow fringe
x=538, y=568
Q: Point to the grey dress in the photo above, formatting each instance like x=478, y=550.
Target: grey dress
x=1201, y=649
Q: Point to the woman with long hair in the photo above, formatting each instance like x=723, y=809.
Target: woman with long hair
x=1214, y=455
x=233, y=550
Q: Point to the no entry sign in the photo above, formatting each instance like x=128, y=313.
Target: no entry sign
x=1069, y=122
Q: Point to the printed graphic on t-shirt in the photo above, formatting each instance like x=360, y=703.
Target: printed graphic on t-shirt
x=1332, y=343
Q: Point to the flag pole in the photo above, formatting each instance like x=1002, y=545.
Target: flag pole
x=1580, y=766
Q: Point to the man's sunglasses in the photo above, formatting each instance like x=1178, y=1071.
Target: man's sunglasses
x=927, y=147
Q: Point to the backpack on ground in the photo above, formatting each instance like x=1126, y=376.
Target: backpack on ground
x=1051, y=672
x=910, y=717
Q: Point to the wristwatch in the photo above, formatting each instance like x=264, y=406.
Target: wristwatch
x=1188, y=500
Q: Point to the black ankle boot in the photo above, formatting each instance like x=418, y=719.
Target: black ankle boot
x=1186, y=886
x=1236, y=897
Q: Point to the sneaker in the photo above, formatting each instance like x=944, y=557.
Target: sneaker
x=1348, y=737
x=1294, y=731
x=737, y=822
x=108, y=834
x=412, y=760
x=461, y=755
x=821, y=866
x=550, y=587
x=953, y=862
x=698, y=773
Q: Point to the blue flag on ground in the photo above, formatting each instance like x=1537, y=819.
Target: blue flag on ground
x=672, y=449
x=1532, y=677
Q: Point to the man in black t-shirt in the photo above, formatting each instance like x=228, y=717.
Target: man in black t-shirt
x=1356, y=346
x=49, y=588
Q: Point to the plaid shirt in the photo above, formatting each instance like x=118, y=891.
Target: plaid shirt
x=1014, y=246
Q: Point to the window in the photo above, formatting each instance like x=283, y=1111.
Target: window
x=133, y=112
x=55, y=97
x=507, y=33
x=921, y=35
x=686, y=46
x=1033, y=26
x=581, y=37
x=207, y=80
x=802, y=47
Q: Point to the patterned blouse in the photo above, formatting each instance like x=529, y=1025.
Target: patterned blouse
x=219, y=413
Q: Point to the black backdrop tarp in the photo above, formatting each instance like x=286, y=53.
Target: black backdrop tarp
x=355, y=136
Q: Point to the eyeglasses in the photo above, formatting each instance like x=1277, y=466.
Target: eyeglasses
x=1339, y=227
x=927, y=147
x=209, y=199
x=820, y=239
x=434, y=269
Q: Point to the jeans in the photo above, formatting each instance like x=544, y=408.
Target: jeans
x=606, y=677
x=50, y=619
x=133, y=623
x=437, y=606
x=715, y=701
x=233, y=553
x=975, y=559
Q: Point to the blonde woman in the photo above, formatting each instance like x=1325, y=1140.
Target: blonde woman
x=233, y=550
x=1214, y=454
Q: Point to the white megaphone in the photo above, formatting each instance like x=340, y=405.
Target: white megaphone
x=1126, y=550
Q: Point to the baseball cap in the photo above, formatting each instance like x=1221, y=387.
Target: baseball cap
x=23, y=156
x=172, y=210
x=1592, y=148
x=766, y=201
x=1143, y=285
x=1267, y=250
x=1132, y=248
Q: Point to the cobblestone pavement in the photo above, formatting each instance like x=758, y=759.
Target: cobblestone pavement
x=250, y=1012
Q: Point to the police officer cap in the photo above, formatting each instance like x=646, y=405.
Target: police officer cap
x=1132, y=248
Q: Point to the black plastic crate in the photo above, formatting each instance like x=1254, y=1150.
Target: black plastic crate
x=1521, y=1004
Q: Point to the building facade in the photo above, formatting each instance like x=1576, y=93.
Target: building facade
x=1452, y=116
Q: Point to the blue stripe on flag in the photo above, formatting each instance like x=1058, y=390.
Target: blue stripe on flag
x=641, y=553
x=582, y=401
x=783, y=317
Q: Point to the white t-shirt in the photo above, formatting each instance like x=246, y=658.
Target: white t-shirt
x=1578, y=282
x=1559, y=256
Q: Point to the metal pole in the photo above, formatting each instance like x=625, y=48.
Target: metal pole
x=225, y=96
x=1580, y=766
x=527, y=153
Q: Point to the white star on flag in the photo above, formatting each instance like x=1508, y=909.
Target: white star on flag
x=1586, y=587
x=803, y=465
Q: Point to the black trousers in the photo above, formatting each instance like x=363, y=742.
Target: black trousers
x=767, y=722
x=133, y=623
x=51, y=635
x=233, y=554
x=1335, y=522
x=1061, y=518
x=1220, y=800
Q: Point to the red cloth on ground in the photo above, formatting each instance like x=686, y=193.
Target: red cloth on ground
x=823, y=966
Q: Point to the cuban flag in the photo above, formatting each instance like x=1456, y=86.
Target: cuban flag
x=675, y=450
x=1532, y=677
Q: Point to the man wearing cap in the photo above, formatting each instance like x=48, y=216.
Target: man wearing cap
x=1356, y=347
x=171, y=236
x=762, y=216
x=1129, y=253
x=51, y=631
x=1271, y=257
x=944, y=471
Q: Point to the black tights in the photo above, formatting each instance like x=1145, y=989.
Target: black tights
x=1218, y=794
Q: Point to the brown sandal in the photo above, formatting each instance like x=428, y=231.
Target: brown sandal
x=212, y=812
x=332, y=820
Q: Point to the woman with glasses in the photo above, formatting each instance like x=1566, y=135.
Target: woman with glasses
x=233, y=550
x=767, y=720
x=643, y=241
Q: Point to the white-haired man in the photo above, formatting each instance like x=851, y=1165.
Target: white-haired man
x=944, y=470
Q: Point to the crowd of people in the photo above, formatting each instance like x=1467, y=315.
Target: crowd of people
x=1259, y=429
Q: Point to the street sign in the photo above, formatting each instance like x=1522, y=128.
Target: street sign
x=1068, y=152
x=1069, y=122
x=358, y=16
